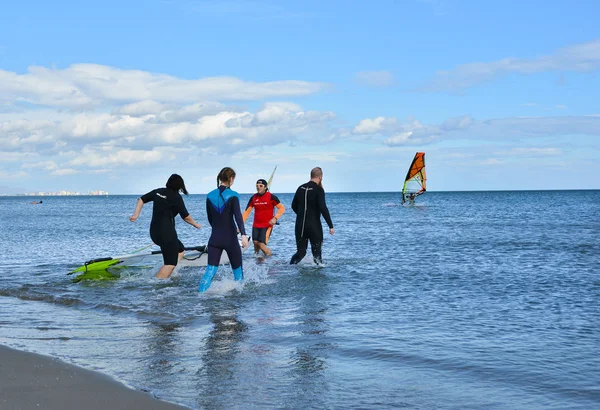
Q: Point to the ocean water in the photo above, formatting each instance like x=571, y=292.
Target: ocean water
x=482, y=300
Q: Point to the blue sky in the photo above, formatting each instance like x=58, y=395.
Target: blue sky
x=116, y=96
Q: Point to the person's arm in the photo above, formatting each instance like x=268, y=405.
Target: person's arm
x=248, y=210
x=144, y=199
x=185, y=215
x=191, y=221
x=237, y=214
x=323, y=209
x=208, y=213
x=280, y=210
x=138, y=209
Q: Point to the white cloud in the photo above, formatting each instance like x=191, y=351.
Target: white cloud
x=94, y=158
x=64, y=171
x=12, y=174
x=17, y=156
x=46, y=165
x=375, y=78
x=583, y=57
x=373, y=126
x=411, y=133
x=199, y=126
x=87, y=85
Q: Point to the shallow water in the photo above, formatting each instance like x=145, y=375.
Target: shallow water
x=465, y=300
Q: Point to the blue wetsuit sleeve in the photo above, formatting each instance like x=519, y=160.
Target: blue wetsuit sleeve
x=183, y=212
x=148, y=197
x=208, y=213
x=237, y=214
x=323, y=207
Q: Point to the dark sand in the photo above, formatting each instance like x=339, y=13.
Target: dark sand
x=31, y=381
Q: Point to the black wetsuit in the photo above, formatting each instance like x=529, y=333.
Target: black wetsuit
x=309, y=204
x=167, y=204
x=222, y=207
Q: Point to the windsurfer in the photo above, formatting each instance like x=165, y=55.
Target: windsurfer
x=414, y=183
x=223, y=211
x=264, y=203
x=168, y=203
x=309, y=204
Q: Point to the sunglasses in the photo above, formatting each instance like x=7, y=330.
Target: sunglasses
x=259, y=185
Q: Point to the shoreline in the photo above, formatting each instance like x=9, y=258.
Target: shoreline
x=31, y=380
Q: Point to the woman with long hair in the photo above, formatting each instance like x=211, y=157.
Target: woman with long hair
x=224, y=213
x=168, y=203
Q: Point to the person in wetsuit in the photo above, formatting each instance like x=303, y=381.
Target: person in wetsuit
x=167, y=204
x=309, y=204
x=264, y=203
x=223, y=211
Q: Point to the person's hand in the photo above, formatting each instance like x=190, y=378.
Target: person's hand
x=331, y=231
x=273, y=221
x=197, y=226
x=244, y=241
x=132, y=218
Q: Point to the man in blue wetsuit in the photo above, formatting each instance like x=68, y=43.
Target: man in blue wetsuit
x=224, y=213
x=309, y=204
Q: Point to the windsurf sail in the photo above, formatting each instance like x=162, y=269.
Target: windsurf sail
x=416, y=178
x=271, y=178
x=268, y=186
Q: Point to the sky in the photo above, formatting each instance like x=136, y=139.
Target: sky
x=119, y=95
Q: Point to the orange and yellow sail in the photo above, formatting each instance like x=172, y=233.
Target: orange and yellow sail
x=416, y=178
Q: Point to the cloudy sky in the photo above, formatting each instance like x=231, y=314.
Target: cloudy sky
x=118, y=95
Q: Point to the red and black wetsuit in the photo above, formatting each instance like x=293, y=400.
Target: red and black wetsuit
x=263, y=213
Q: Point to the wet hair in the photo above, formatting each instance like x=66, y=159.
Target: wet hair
x=176, y=183
x=226, y=175
x=316, y=172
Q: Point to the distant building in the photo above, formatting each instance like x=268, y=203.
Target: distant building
x=66, y=193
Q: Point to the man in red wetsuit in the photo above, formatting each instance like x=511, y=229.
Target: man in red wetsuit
x=264, y=203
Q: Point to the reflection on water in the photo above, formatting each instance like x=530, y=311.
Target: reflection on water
x=162, y=350
x=309, y=359
x=216, y=375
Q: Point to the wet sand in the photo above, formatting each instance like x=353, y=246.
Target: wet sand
x=31, y=381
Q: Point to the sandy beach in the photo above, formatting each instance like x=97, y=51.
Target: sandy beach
x=31, y=381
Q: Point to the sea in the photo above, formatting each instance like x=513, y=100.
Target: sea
x=464, y=300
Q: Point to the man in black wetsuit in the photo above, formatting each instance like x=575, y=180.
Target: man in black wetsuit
x=168, y=203
x=309, y=204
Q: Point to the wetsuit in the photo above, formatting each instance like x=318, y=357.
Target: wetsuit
x=167, y=204
x=263, y=212
x=309, y=204
x=222, y=208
